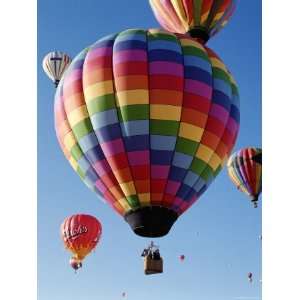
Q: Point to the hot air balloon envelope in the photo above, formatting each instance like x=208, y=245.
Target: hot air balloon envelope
x=147, y=119
x=80, y=234
x=54, y=64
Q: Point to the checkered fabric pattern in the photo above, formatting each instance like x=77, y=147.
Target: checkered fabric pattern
x=147, y=118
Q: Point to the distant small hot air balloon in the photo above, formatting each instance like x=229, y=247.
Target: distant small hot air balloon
x=182, y=257
x=245, y=170
x=199, y=18
x=80, y=234
x=250, y=275
x=54, y=65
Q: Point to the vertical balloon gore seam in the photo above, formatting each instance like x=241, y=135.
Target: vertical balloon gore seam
x=84, y=52
x=199, y=142
x=149, y=116
x=116, y=104
x=178, y=41
x=99, y=144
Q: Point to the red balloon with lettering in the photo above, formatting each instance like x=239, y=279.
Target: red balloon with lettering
x=81, y=234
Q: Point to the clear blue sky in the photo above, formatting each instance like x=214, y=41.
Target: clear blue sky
x=218, y=235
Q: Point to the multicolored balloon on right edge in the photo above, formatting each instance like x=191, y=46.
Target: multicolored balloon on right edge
x=200, y=19
x=245, y=171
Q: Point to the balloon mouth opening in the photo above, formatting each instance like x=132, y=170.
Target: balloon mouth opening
x=199, y=33
x=258, y=158
x=151, y=221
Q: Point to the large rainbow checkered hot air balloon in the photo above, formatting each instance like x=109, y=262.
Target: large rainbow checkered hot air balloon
x=201, y=19
x=147, y=118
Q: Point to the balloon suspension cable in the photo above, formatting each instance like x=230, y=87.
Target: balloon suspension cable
x=152, y=245
x=200, y=34
x=79, y=266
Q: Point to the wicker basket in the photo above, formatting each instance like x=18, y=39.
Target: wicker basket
x=153, y=266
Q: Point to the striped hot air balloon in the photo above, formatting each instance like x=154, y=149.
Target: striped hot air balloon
x=54, y=65
x=201, y=19
x=245, y=171
x=147, y=119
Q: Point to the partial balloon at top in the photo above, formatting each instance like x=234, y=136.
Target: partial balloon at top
x=201, y=19
x=148, y=119
x=54, y=64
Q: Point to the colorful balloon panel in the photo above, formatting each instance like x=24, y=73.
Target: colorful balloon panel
x=201, y=18
x=245, y=171
x=147, y=119
x=54, y=65
x=80, y=234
